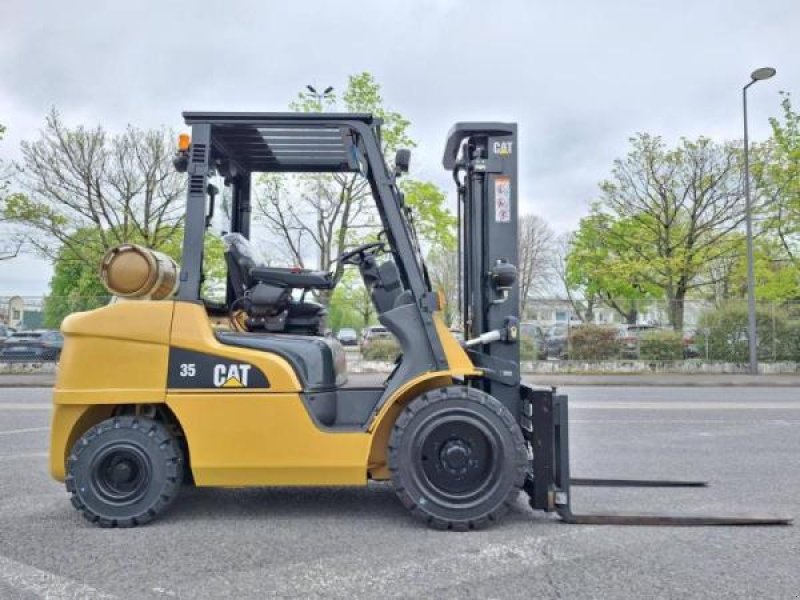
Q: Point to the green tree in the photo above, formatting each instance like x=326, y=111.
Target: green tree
x=777, y=175
x=434, y=223
x=75, y=285
x=602, y=261
x=350, y=304
x=777, y=278
x=679, y=209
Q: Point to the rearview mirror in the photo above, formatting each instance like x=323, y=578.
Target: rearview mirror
x=402, y=158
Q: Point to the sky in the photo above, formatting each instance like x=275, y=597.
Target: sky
x=579, y=76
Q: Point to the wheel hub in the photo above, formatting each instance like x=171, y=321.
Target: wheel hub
x=121, y=475
x=455, y=456
x=122, y=472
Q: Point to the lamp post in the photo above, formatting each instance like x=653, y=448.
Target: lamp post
x=319, y=96
x=757, y=75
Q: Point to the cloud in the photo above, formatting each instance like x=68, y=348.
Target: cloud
x=580, y=77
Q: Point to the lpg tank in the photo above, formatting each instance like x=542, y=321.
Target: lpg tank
x=132, y=271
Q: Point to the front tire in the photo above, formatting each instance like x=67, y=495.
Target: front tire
x=124, y=471
x=457, y=458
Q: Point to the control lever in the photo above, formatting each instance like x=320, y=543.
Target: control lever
x=508, y=333
x=485, y=338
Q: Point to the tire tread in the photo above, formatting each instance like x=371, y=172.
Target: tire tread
x=173, y=458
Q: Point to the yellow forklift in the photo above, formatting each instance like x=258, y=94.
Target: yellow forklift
x=150, y=395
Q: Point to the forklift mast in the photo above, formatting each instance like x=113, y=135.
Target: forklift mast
x=483, y=160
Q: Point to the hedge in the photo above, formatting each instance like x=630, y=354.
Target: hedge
x=381, y=350
x=661, y=345
x=528, y=348
x=593, y=342
x=722, y=334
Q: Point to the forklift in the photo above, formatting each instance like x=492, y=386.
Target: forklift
x=150, y=395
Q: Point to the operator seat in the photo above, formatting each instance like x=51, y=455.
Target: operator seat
x=265, y=293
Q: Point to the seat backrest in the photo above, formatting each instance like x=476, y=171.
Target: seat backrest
x=240, y=259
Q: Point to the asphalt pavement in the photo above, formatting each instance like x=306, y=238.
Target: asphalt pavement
x=360, y=543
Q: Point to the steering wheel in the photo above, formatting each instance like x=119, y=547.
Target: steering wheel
x=357, y=254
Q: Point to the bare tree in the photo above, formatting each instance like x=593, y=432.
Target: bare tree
x=582, y=302
x=535, y=257
x=7, y=250
x=122, y=188
x=442, y=266
x=315, y=216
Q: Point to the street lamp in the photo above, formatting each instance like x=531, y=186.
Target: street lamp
x=757, y=75
x=319, y=96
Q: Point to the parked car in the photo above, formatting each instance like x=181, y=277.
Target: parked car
x=373, y=333
x=347, y=336
x=5, y=333
x=556, y=341
x=629, y=336
x=531, y=333
x=32, y=346
x=690, y=347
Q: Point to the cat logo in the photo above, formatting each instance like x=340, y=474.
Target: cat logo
x=503, y=148
x=231, y=376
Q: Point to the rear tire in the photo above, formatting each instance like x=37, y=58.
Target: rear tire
x=124, y=471
x=457, y=458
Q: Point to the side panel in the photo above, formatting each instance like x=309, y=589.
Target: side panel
x=256, y=435
x=192, y=332
x=67, y=424
x=115, y=354
x=253, y=439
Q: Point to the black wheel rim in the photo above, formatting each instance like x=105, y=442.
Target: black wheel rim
x=121, y=474
x=458, y=458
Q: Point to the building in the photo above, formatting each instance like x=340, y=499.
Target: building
x=21, y=312
x=552, y=311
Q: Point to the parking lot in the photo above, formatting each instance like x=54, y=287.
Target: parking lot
x=347, y=543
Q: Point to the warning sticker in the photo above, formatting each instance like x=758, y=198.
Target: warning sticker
x=502, y=200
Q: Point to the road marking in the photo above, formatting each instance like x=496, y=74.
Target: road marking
x=343, y=577
x=28, y=430
x=25, y=406
x=45, y=584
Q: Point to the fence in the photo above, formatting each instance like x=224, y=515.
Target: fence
x=713, y=333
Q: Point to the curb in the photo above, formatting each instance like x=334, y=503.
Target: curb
x=783, y=381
